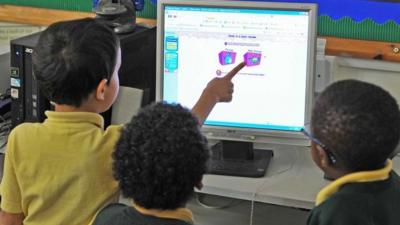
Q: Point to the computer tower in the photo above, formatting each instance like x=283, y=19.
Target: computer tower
x=27, y=104
x=137, y=70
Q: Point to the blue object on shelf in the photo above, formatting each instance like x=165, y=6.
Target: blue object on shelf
x=139, y=5
x=95, y=3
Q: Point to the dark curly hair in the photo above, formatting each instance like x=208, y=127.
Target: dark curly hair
x=72, y=57
x=359, y=122
x=160, y=157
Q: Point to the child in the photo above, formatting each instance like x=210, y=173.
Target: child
x=159, y=159
x=59, y=171
x=355, y=127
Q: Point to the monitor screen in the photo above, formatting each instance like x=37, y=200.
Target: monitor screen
x=202, y=40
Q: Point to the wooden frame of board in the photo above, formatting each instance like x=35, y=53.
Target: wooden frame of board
x=334, y=46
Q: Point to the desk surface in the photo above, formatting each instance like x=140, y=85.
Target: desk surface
x=292, y=180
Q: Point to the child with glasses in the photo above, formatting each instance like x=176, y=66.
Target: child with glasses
x=355, y=127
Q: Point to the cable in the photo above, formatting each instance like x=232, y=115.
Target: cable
x=3, y=145
x=5, y=137
x=5, y=123
x=290, y=167
x=5, y=129
x=230, y=203
x=252, y=208
x=5, y=95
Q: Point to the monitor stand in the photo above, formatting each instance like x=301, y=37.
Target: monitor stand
x=236, y=158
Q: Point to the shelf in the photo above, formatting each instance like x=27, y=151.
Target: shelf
x=44, y=17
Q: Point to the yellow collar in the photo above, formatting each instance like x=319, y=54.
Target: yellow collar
x=363, y=176
x=75, y=117
x=179, y=214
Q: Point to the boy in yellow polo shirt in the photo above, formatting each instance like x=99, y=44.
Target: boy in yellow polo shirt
x=355, y=127
x=59, y=172
x=157, y=170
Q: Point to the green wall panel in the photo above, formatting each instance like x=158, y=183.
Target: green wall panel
x=344, y=27
x=365, y=30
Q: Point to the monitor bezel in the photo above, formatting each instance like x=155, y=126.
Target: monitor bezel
x=238, y=133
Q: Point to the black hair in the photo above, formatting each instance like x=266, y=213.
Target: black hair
x=357, y=121
x=72, y=57
x=160, y=157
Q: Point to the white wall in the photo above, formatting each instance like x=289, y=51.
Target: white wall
x=384, y=74
x=4, y=72
x=9, y=31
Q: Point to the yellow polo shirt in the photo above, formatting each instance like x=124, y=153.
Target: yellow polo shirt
x=59, y=172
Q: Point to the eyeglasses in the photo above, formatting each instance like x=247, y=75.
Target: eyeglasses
x=307, y=132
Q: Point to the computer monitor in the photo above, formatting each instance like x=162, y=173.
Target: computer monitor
x=200, y=40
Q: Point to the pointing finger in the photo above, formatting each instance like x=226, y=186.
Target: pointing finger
x=234, y=71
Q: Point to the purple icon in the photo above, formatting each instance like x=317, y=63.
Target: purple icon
x=227, y=57
x=252, y=59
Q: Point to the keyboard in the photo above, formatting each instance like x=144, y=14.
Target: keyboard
x=242, y=168
x=234, y=168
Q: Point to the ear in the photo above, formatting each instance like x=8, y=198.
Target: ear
x=101, y=89
x=323, y=157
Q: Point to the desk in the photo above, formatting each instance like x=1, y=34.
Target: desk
x=292, y=180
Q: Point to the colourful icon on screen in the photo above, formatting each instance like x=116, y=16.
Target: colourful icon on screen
x=171, y=43
x=252, y=58
x=171, y=61
x=227, y=57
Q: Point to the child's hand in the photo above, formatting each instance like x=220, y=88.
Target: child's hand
x=222, y=88
x=217, y=90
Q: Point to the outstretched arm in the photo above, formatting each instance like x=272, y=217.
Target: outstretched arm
x=11, y=219
x=217, y=90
